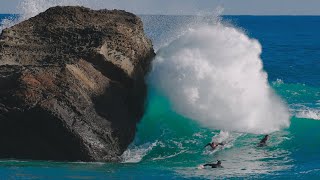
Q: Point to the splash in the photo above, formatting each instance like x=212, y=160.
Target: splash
x=227, y=138
x=134, y=154
x=214, y=75
x=30, y=8
x=309, y=113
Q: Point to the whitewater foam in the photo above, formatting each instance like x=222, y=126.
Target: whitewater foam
x=214, y=75
x=224, y=137
x=134, y=154
x=309, y=113
x=221, y=137
x=307, y=110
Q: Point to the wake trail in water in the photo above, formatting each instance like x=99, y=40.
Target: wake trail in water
x=213, y=74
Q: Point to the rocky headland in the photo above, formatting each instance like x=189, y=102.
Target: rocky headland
x=72, y=84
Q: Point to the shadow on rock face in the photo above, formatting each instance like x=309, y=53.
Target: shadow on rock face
x=40, y=135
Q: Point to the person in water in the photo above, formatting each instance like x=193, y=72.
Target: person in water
x=214, y=145
x=217, y=165
x=263, y=142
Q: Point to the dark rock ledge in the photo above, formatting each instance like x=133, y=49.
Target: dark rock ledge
x=72, y=84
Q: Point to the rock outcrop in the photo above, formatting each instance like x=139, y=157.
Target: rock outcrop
x=72, y=84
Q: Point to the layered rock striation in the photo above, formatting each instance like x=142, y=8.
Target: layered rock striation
x=72, y=84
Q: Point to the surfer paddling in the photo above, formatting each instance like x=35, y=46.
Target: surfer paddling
x=214, y=145
x=263, y=142
x=217, y=165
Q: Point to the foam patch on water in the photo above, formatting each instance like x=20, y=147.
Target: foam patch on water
x=305, y=110
x=309, y=113
x=135, y=154
x=213, y=74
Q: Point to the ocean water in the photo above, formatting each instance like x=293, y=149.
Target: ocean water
x=229, y=79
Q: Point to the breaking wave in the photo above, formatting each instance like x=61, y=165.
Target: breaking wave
x=213, y=74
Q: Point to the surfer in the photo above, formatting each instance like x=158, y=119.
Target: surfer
x=263, y=142
x=217, y=165
x=214, y=145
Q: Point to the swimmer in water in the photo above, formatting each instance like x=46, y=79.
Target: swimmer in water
x=218, y=165
x=263, y=142
x=214, y=145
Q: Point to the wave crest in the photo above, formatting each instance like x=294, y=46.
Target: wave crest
x=214, y=75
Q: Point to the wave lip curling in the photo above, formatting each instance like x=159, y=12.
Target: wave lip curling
x=214, y=74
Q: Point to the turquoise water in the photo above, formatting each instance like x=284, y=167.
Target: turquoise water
x=170, y=146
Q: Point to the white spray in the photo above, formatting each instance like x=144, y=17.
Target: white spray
x=213, y=74
x=30, y=8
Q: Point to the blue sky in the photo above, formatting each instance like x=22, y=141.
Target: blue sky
x=242, y=7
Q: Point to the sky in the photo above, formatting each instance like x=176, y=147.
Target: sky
x=231, y=7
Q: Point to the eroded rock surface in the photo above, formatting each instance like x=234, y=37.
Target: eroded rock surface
x=72, y=84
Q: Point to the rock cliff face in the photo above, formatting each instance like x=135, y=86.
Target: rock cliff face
x=72, y=84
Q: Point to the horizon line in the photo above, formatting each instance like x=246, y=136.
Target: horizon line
x=198, y=15
x=231, y=14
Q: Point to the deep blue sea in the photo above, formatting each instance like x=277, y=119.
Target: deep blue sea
x=169, y=144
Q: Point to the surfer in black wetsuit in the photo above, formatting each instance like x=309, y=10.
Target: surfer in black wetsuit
x=214, y=145
x=263, y=142
x=218, y=165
